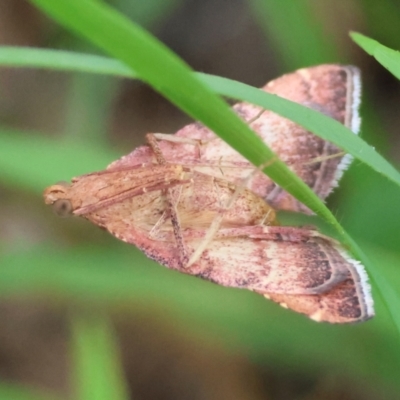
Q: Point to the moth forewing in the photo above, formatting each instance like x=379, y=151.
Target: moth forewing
x=313, y=276
x=348, y=302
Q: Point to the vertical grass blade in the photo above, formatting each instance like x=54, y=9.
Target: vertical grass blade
x=97, y=370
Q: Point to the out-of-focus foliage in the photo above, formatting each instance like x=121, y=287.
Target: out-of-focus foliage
x=74, y=266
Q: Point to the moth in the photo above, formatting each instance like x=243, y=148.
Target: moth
x=188, y=201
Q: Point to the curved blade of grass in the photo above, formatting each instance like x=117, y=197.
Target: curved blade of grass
x=63, y=60
x=97, y=372
x=386, y=56
x=319, y=124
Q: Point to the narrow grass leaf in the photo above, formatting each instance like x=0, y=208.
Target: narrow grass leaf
x=387, y=57
x=97, y=368
x=317, y=123
x=62, y=60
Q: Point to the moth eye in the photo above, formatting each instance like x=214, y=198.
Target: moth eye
x=62, y=207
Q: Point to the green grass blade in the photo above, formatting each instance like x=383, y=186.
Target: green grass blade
x=62, y=60
x=317, y=123
x=387, y=57
x=98, y=374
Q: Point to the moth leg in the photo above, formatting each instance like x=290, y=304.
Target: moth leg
x=156, y=228
x=214, y=227
x=197, y=160
x=315, y=160
x=197, y=143
x=152, y=141
x=216, y=223
x=255, y=118
x=179, y=139
x=325, y=158
x=172, y=197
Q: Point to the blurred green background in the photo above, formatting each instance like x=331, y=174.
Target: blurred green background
x=177, y=337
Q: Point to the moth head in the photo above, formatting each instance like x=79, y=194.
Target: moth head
x=58, y=197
